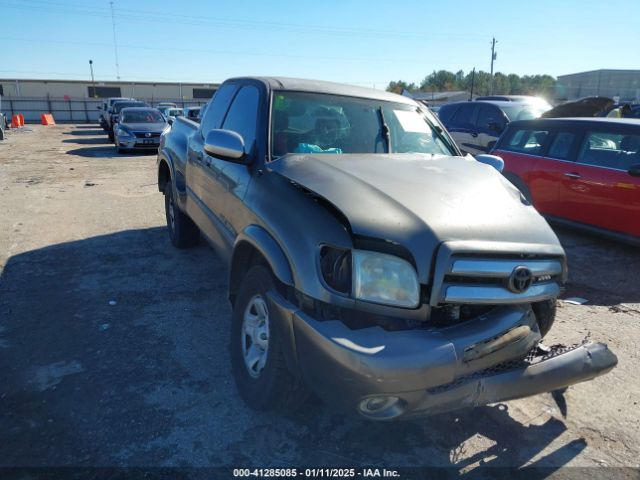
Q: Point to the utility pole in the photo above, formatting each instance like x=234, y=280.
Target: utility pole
x=115, y=43
x=473, y=80
x=93, y=82
x=494, y=54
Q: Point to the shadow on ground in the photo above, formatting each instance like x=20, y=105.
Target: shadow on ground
x=108, y=151
x=115, y=352
x=88, y=130
x=89, y=141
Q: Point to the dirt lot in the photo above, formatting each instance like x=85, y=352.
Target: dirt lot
x=113, y=345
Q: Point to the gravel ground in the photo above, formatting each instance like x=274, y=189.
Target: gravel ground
x=113, y=345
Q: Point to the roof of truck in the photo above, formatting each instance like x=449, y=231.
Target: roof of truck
x=319, y=86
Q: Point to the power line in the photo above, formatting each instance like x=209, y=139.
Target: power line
x=154, y=17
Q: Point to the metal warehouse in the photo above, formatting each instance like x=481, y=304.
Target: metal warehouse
x=77, y=100
x=621, y=84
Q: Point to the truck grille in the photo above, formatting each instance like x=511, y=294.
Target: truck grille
x=147, y=134
x=473, y=280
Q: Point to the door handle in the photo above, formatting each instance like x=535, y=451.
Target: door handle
x=474, y=134
x=572, y=175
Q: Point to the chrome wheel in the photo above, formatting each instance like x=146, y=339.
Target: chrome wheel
x=255, y=335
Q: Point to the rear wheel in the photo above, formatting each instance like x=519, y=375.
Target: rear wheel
x=182, y=231
x=257, y=356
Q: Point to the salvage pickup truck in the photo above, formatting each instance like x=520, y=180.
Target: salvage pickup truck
x=369, y=261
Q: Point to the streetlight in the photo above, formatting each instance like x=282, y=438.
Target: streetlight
x=93, y=82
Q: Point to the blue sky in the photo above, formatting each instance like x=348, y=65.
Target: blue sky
x=361, y=42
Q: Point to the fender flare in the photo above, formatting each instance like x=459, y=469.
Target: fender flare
x=262, y=241
x=164, y=157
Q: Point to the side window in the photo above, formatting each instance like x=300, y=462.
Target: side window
x=217, y=108
x=491, y=118
x=525, y=141
x=610, y=150
x=243, y=115
x=464, y=116
x=446, y=112
x=561, y=146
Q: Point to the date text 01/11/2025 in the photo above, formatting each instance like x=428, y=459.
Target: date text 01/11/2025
x=316, y=472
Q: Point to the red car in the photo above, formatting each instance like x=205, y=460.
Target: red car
x=580, y=171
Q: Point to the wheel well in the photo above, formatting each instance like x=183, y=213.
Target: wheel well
x=164, y=175
x=244, y=257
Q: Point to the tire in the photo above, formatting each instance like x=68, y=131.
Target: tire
x=545, y=313
x=268, y=384
x=182, y=231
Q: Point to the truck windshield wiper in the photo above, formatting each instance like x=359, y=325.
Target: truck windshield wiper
x=384, y=129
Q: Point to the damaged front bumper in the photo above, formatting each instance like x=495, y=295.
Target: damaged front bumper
x=389, y=374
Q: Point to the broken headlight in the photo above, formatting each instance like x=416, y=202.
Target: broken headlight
x=385, y=279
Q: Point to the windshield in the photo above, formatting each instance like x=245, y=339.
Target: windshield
x=142, y=116
x=319, y=123
x=174, y=112
x=523, y=112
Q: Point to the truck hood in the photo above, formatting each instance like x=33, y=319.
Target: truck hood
x=419, y=201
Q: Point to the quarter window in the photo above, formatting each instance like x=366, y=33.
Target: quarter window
x=243, y=115
x=526, y=141
x=218, y=107
x=464, y=115
x=610, y=150
x=561, y=146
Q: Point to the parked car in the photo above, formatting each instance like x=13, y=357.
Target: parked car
x=476, y=126
x=139, y=128
x=172, y=113
x=368, y=260
x=106, y=107
x=529, y=99
x=162, y=105
x=584, y=172
x=583, y=107
x=192, y=113
x=114, y=115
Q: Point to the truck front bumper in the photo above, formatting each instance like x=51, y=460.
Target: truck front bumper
x=388, y=374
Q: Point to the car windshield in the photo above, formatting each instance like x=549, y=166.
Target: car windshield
x=174, y=112
x=119, y=106
x=142, y=116
x=523, y=112
x=320, y=123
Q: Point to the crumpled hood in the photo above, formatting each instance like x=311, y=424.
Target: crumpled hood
x=419, y=200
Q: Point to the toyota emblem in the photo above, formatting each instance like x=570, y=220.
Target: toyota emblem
x=520, y=279
x=148, y=134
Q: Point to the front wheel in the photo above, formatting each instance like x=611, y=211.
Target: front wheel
x=545, y=313
x=257, y=356
x=182, y=231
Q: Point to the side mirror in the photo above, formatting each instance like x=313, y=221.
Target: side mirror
x=634, y=170
x=170, y=121
x=224, y=143
x=492, y=160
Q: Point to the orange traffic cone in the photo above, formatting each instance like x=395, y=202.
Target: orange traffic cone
x=15, y=121
x=21, y=118
x=47, y=119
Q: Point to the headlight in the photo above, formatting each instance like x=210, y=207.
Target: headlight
x=386, y=279
x=123, y=133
